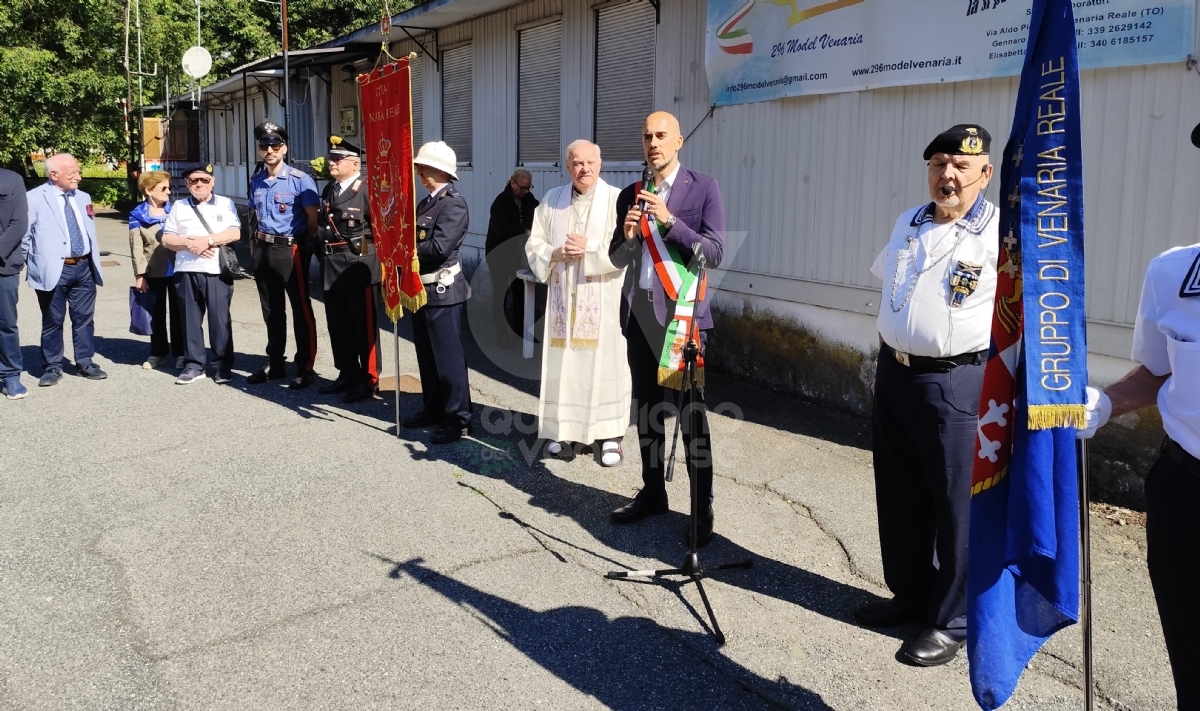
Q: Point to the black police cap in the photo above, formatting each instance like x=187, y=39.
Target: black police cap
x=965, y=139
x=205, y=168
x=341, y=148
x=268, y=130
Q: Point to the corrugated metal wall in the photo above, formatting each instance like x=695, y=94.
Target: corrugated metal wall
x=817, y=182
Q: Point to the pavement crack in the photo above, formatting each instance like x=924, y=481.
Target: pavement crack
x=812, y=516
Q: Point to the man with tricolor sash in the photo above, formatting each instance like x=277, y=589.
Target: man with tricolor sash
x=665, y=229
x=939, y=275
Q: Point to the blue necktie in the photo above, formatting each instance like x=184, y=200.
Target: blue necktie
x=77, y=246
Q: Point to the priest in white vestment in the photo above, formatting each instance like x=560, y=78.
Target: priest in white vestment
x=586, y=388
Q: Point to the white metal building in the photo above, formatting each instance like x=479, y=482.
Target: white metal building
x=815, y=182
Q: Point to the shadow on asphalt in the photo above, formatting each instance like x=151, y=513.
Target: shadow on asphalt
x=508, y=450
x=626, y=663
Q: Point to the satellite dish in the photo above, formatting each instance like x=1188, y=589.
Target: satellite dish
x=196, y=62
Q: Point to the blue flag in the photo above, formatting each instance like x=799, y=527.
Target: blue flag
x=1023, y=570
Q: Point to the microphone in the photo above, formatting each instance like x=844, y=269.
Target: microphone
x=647, y=178
x=949, y=190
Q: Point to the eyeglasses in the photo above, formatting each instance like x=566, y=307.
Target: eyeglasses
x=199, y=181
x=520, y=189
x=265, y=147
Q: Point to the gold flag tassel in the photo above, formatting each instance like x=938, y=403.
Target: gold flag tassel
x=674, y=378
x=412, y=303
x=1044, y=417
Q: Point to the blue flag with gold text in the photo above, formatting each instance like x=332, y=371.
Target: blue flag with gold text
x=1023, y=569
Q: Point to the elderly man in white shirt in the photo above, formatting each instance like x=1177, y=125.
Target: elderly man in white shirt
x=939, y=279
x=195, y=230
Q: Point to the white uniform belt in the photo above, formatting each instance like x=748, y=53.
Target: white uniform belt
x=445, y=277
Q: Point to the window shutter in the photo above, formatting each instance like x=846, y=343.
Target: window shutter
x=625, y=36
x=539, y=90
x=417, y=73
x=456, y=101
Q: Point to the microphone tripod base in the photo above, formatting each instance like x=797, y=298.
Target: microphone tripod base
x=692, y=570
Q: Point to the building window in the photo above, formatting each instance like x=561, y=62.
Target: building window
x=416, y=71
x=539, y=86
x=625, y=36
x=456, y=101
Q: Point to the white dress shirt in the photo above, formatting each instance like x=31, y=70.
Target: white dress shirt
x=220, y=214
x=62, y=209
x=646, y=277
x=1166, y=339
x=344, y=185
x=915, y=313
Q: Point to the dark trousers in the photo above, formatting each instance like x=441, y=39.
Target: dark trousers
x=10, y=341
x=212, y=293
x=924, y=428
x=443, y=366
x=1173, y=555
x=163, y=341
x=644, y=350
x=272, y=288
x=76, y=293
x=353, y=333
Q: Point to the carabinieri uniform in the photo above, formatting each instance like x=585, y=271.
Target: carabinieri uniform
x=280, y=258
x=349, y=276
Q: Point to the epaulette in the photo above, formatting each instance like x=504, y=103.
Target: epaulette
x=449, y=192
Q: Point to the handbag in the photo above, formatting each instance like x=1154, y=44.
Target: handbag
x=226, y=255
x=141, y=306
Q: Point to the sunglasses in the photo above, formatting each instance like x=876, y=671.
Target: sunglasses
x=268, y=146
x=200, y=181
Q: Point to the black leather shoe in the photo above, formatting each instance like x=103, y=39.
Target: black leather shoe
x=421, y=419
x=266, y=374
x=704, y=528
x=932, y=648
x=341, y=385
x=883, y=613
x=643, y=505
x=50, y=377
x=301, y=381
x=447, y=433
x=91, y=371
x=359, y=393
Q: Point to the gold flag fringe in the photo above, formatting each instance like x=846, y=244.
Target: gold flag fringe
x=413, y=303
x=1044, y=417
x=989, y=482
x=674, y=378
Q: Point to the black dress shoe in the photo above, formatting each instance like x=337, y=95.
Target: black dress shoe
x=421, y=419
x=883, y=613
x=341, y=385
x=91, y=371
x=447, y=433
x=932, y=648
x=643, y=505
x=704, y=528
x=301, y=381
x=262, y=376
x=359, y=393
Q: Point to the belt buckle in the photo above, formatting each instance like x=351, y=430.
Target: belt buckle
x=902, y=358
x=328, y=248
x=650, y=295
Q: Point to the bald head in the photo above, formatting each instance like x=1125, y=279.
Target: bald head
x=661, y=141
x=63, y=170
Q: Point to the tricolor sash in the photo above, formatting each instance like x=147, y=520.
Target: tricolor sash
x=683, y=286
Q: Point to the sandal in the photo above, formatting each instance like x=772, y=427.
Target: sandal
x=611, y=454
x=561, y=450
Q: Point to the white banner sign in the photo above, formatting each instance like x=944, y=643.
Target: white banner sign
x=758, y=50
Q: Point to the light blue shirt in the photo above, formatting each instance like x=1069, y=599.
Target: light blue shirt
x=280, y=202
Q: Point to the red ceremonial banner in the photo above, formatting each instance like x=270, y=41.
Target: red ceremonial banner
x=385, y=95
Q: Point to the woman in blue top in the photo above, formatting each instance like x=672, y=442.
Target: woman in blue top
x=154, y=267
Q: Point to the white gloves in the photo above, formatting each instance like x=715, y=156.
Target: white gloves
x=1099, y=408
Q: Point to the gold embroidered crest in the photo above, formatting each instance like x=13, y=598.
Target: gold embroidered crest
x=972, y=145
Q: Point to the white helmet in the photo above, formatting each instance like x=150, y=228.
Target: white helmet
x=436, y=154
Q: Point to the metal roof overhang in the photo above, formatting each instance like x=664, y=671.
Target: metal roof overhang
x=312, y=57
x=430, y=15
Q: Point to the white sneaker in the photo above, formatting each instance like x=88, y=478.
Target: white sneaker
x=611, y=453
x=180, y=362
x=154, y=362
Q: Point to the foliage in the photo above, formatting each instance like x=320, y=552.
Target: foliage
x=62, y=73
x=320, y=168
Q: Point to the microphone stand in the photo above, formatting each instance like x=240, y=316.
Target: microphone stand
x=691, y=567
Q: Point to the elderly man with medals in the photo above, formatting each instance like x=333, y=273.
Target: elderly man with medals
x=939, y=281
x=349, y=275
x=586, y=388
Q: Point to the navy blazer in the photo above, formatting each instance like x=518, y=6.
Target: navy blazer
x=695, y=202
x=441, y=229
x=14, y=222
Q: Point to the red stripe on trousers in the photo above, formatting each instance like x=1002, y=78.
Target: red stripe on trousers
x=372, y=336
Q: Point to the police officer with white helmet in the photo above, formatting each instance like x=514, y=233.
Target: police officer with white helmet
x=1166, y=347
x=441, y=227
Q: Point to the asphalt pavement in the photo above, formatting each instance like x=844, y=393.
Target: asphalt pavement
x=250, y=547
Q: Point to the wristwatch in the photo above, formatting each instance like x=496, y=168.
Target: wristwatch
x=210, y=241
x=670, y=222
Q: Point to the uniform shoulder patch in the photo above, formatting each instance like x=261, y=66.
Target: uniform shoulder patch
x=1191, y=282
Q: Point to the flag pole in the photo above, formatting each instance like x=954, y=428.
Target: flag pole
x=1085, y=572
x=396, y=352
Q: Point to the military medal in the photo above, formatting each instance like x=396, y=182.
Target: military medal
x=964, y=280
x=421, y=235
